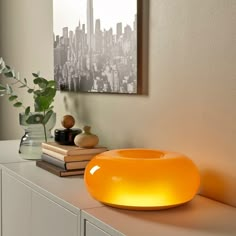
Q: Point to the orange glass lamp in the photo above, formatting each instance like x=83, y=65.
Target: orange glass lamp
x=142, y=179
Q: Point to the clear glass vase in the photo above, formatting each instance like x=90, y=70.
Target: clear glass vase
x=30, y=144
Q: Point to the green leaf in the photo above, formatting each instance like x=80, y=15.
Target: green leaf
x=9, y=89
x=42, y=85
x=30, y=90
x=51, y=83
x=35, y=119
x=2, y=87
x=49, y=92
x=17, y=104
x=5, y=70
x=42, y=103
x=37, y=80
x=37, y=92
x=41, y=82
x=18, y=76
x=13, y=74
x=47, y=117
x=35, y=75
x=12, y=98
x=2, y=65
x=27, y=111
x=9, y=74
x=22, y=86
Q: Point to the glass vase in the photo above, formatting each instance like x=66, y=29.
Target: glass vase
x=30, y=144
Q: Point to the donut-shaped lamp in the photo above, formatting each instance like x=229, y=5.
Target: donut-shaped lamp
x=142, y=179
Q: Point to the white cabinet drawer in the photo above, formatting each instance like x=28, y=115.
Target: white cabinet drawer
x=28, y=213
x=93, y=226
x=49, y=218
x=16, y=203
x=92, y=230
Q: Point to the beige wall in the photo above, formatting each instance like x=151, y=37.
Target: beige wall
x=192, y=85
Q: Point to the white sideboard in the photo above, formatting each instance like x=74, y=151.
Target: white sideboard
x=36, y=202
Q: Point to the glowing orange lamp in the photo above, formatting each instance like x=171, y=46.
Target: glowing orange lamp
x=142, y=179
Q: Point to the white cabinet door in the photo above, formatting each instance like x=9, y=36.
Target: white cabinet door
x=92, y=230
x=51, y=219
x=16, y=204
x=0, y=202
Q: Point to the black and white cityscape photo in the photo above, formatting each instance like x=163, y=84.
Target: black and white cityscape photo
x=95, y=45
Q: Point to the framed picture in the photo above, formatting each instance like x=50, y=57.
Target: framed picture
x=98, y=46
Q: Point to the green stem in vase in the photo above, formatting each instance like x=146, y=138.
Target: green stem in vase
x=44, y=127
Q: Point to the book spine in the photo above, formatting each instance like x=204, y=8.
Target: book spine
x=76, y=165
x=72, y=173
x=85, y=157
x=73, y=151
x=86, y=151
x=47, y=167
x=53, y=161
x=56, y=170
x=53, y=154
x=54, y=148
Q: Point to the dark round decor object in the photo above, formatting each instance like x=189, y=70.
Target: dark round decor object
x=66, y=136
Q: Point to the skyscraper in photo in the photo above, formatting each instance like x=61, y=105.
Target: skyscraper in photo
x=90, y=25
x=98, y=37
x=118, y=30
x=97, y=26
x=65, y=33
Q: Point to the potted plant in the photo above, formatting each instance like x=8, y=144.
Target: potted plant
x=43, y=92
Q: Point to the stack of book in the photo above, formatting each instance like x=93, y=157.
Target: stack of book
x=64, y=160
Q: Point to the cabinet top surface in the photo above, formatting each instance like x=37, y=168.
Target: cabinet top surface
x=9, y=151
x=200, y=217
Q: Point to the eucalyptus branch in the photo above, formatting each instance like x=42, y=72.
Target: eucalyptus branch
x=43, y=94
x=24, y=84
